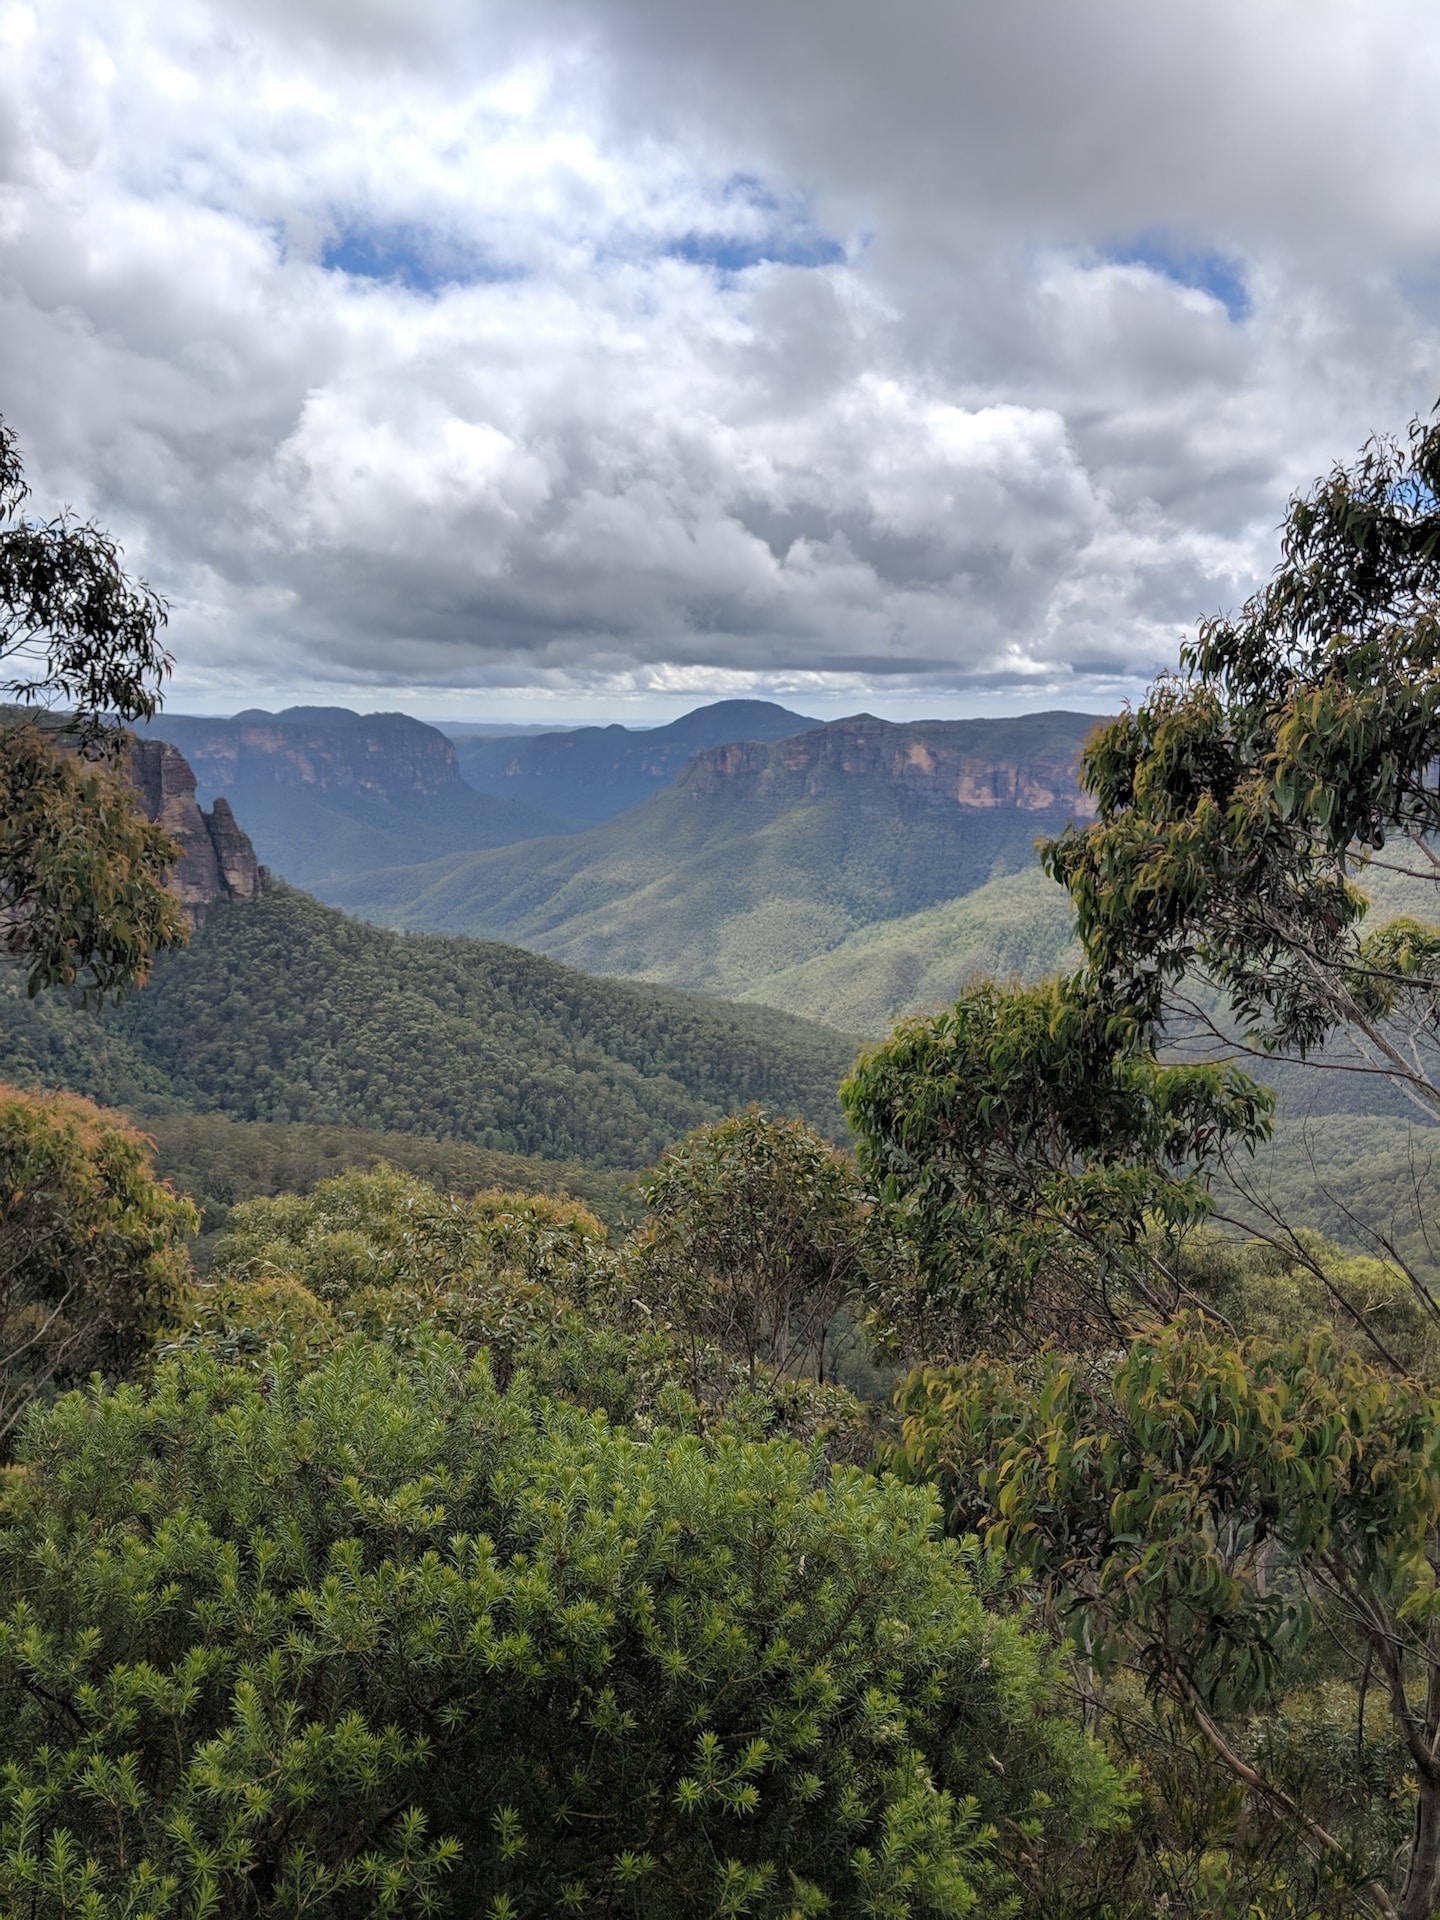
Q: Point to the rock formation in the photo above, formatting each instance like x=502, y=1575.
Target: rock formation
x=1027, y=764
x=317, y=749
x=217, y=861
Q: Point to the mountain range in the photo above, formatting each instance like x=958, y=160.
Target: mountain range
x=744, y=850
x=762, y=857
x=322, y=791
x=589, y=774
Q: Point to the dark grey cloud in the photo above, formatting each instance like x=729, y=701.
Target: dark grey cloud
x=619, y=346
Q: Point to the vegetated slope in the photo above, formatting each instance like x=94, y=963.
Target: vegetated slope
x=221, y=1162
x=760, y=857
x=1361, y=1179
x=588, y=774
x=323, y=791
x=1020, y=927
x=284, y=1010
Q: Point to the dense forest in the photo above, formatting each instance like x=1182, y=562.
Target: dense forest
x=289, y=1011
x=966, y=1519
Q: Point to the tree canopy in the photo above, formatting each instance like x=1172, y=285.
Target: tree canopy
x=370, y=1636
x=92, y=1256
x=82, y=870
x=1032, y=1154
x=1243, y=804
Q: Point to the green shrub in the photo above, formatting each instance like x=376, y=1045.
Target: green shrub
x=375, y=1637
x=91, y=1260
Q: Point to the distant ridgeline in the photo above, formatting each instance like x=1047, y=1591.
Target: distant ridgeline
x=589, y=774
x=323, y=791
x=328, y=793
x=762, y=856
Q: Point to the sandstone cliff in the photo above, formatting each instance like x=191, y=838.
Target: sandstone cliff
x=217, y=861
x=1027, y=765
x=320, y=750
x=589, y=774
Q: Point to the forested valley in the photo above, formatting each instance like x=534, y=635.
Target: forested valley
x=610, y=1452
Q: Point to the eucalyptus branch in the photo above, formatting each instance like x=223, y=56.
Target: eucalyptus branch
x=1323, y=1840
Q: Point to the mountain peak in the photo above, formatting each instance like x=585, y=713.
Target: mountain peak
x=590, y=774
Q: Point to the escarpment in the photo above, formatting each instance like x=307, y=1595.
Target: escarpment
x=1028, y=766
x=217, y=861
x=318, y=750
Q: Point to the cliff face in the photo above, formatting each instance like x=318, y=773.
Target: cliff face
x=324, y=792
x=593, y=773
x=217, y=861
x=317, y=749
x=1026, y=764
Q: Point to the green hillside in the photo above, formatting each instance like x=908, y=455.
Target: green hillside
x=759, y=859
x=284, y=1010
x=1019, y=927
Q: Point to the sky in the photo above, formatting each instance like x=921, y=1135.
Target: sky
x=591, y=359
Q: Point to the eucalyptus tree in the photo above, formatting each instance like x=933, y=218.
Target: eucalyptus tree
x=82, y=870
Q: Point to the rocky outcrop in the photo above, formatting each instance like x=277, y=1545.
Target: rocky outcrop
x=217, y=861
x=590, y=774
x=319, y=749
x=1027, y=764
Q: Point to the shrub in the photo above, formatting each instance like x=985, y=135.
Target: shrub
x=376, y=1637
x=91, y=1253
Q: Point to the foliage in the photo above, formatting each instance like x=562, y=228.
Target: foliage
x=82, y=870
x=82, y=896
x=1201, y=1844
x=754, y=1240
x=389, y=1255
x=374, y=1637
x=1196, y=1514
x=90, y=1247
x=1024, y=1145
x=283, y=1010
x=527, y=1280
x=1289, y=1285
x=73, y=627
x=1237, y=803
x=222, y=1162
x=386, y=1228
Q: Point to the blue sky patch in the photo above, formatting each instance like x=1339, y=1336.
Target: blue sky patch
x=766, y=231
x=410, y=256
x=750, y=188
x=1213, y=273
x=733, y=253
x=1411, y=495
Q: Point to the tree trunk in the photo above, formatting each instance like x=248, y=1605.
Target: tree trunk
x=1417, y=1901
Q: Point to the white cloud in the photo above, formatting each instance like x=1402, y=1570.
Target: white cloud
x=626, y=349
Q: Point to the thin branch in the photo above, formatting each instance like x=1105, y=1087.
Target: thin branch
x=1278, y=1797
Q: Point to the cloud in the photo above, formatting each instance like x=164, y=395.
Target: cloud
x=957, y=352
